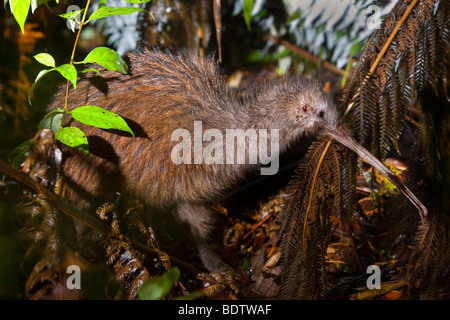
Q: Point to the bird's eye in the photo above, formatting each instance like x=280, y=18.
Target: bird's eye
x=305, y=108
x=321, y=114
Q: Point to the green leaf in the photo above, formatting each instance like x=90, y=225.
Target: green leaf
x=52, y=120
x=100, y=118
x=104, y=12
x=247, y=11
x=72, y=14
x=39, y=76
x=20, y=153
x=45, y=59
x=19, y=9
x=107, y=58
x=73, y=137
x=91, y=69
x=138, y=1
x=66, y=70
x=73, y=19
x=72, y=24
x=69, y=72
x=102, y=3
x=157, y=288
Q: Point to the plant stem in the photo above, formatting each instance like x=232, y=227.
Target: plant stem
x=73, y=55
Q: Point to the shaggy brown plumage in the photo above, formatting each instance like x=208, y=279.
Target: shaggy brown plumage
x=163, y=93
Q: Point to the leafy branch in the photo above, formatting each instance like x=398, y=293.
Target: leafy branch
x=105, y=57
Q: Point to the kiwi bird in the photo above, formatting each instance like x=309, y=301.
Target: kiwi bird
x=166, y=93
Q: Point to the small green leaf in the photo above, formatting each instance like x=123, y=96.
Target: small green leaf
x=73, y=137
x=247, y=11
x=104, y=12
x=19, y=9
x=66, y=70
x=157, y=288
x=107, y=58
x=69, y=72
x=91, y=69
x=102, y=3
x=100, y=118
x=72, y=24
x=72, y=14
x=52, y=120
x=73, y=19
x=39, y=76
x=45, y=59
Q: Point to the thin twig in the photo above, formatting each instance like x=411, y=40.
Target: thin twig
x=72, y=56
x=316, y=173
x=257, y=226
x=307, y=55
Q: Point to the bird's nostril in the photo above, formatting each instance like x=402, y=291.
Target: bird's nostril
x=321, y=114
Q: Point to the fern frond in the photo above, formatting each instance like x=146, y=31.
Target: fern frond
x=430, y=259
x=412, y=61
x=402, y=58
x=307, y=224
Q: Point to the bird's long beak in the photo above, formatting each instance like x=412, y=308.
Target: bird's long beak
x=343, y=135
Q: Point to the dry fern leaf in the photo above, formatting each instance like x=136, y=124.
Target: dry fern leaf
x=306, y=222
x=126, y=262
x=43, y=223
x=430, y=260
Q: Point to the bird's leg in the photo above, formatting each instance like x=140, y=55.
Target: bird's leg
x=200, y=218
